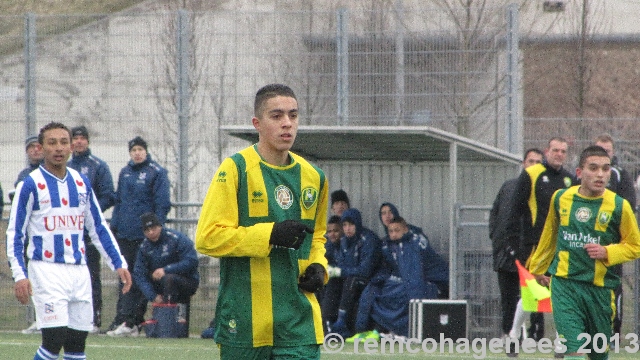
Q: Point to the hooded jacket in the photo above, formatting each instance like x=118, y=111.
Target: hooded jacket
x=396, y=213
x=360, y=253
x=413, y=260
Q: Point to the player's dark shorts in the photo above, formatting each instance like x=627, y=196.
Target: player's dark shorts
x=580, y=307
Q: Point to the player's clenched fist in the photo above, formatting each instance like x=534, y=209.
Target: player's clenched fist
x=289, y=234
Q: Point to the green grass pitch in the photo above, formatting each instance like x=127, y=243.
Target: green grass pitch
x=14, y=345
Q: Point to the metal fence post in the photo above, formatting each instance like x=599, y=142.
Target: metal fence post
x=342, y=53
x=400, y=68
x=513, y=124
x=30, y=73
x=184, y=96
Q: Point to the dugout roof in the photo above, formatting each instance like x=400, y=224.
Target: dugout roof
x=383, y=143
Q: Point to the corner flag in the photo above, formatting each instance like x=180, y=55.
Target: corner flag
x=535, y=297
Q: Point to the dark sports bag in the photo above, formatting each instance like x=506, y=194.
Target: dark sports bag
x=169, y=321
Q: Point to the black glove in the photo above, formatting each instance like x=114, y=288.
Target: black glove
x=313, y=278
x=289, y=234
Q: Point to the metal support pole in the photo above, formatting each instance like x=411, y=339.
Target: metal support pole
x=513, y=126
x=342, y=53
x=30, y=73
x=454, y=212
x=183, y=99
x=399, y=63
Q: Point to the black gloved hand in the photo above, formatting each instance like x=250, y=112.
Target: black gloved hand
x=313, y=278
x=289, y=234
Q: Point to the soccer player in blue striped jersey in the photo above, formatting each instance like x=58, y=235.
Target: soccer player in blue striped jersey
x=588, y=230
x=54, y=205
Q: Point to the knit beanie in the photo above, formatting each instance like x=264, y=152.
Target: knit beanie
x=137, y=141
x=80, y=131
x=340, y=195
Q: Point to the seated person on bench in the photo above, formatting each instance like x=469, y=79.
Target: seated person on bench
x=411, y=270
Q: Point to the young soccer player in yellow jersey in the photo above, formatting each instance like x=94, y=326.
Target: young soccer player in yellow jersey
x=265, y=217
x=588, y=229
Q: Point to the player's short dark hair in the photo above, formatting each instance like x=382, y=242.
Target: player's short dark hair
x=270, y=91
x=593, y=150
x=398, y=220
x=49, y=126
x=533, y=150
x=335, y=219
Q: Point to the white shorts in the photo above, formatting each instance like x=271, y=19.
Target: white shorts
x=61, y=295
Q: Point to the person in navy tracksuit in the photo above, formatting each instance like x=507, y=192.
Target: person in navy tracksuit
x=97, y=172
x=359, y=255
x=329, y=304
x=410, y=269
x=143, y=186
x=166, y=268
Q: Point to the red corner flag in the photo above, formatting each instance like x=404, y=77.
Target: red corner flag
x=535, y=297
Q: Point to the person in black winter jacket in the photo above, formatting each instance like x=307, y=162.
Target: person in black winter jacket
x=504, y=252
x=528, y=208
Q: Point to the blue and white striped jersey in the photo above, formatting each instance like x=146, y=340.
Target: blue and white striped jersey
x=54, y=214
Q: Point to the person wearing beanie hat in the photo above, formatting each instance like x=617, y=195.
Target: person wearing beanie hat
x=80, y=131
x=149, y=220
x=166, y=269
x=99, y=175
x=35, y=157
x=143, y=186
x=33, y=139
x=339, y=202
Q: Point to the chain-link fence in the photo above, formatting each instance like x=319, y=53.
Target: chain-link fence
x=175, y=77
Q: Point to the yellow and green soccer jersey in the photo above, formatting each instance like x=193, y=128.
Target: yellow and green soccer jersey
x=575, y=220
x=259, y=303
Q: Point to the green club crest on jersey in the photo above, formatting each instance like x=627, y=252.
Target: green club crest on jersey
x=309, y=197
x=604, y=217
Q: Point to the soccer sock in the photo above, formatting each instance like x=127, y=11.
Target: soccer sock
x=74, y=356
x=518, y=319
x=44, y=354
